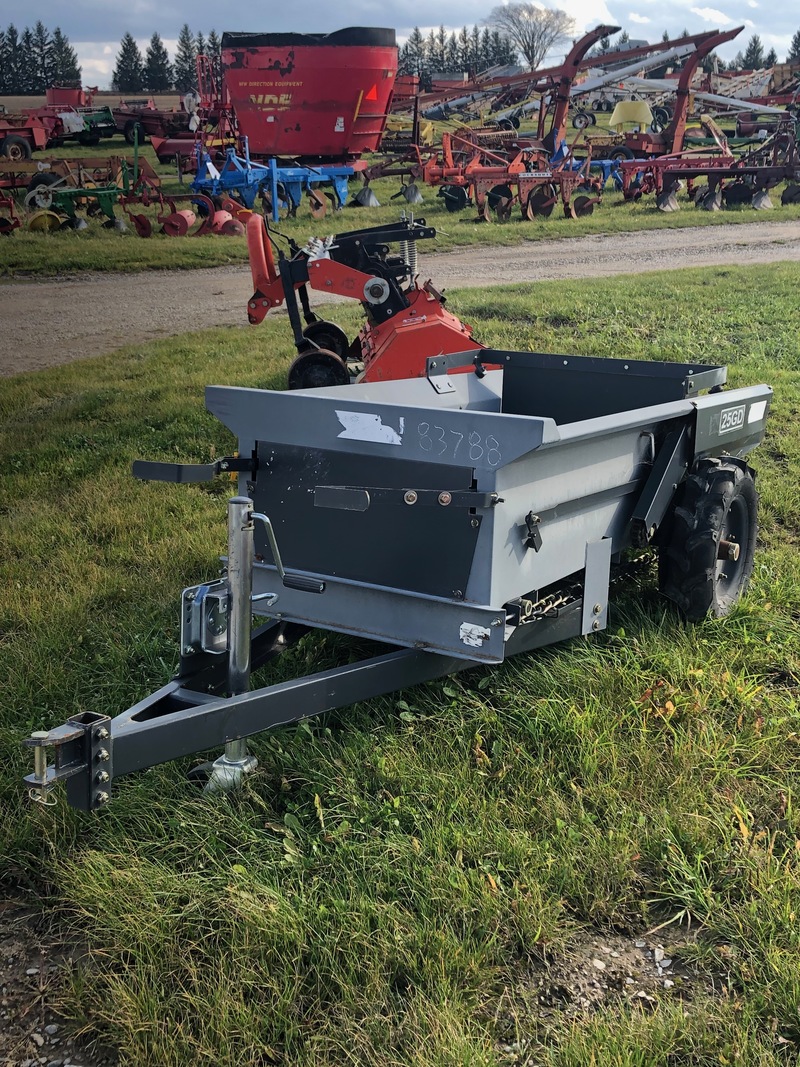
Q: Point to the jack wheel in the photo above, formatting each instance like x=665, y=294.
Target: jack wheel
x=317, y=369
x=707, y=559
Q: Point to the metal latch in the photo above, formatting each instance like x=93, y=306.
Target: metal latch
x=153, y=471
x=359, y=498
x=533, y=538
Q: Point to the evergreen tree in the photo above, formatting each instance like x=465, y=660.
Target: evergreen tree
x=463, y=48
x=185, y=67
x=794, y=49
x=157, y=67
x=65, y=59
x=4, y=71
x=503, y=51
x=42, y=73
x=11, y=60
x=486, y=49
x=128, y=74
x=753, y=58
x=415, y=52
x=771, y=58
x=215, y=54
x=441, y=48
x=451, y=55
x=200, y=45
x=26, y=69
x=665, y=35
x=430, y=52
x=474, y=50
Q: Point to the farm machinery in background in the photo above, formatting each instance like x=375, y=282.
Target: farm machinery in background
x=497, y=168
x=68, y=114
x=293, y=116
x=499, y=165
x=725, y=179
x=405, y=322
x=57, y=189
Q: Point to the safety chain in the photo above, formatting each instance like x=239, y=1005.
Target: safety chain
x=549, y=605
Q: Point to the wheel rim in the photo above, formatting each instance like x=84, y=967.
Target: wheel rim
x=328, y=336
x=735, y=530
x=316, y=370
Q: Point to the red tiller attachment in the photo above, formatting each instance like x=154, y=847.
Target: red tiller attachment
x=406, y=322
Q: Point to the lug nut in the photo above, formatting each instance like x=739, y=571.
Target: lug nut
x=101, y=734
x=103, y=755
x=103, y=777
x=102, y=798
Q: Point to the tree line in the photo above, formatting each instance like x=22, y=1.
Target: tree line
x=154, y=72
x=471, y=50
x=35, y=59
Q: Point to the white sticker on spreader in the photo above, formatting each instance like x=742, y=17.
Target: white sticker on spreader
x=364, y=426
x=756, y=412
x=473, y=635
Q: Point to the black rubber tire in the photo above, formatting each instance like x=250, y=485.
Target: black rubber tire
x=621, y=152
x=42, y=179
x=718, y=501
x=130, y=129
x=16, y=148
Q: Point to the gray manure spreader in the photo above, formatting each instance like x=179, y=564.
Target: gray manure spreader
x=469, y=514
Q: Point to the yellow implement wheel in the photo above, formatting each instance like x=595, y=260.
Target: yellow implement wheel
x=44, y=221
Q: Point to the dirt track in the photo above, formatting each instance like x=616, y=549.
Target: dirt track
x=91, y=314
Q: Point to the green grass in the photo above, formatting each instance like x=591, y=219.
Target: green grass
x=387, y=884
x=35, y=254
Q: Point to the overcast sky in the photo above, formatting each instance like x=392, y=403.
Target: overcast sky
x=95, y=27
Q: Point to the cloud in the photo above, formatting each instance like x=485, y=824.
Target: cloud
x=711, y=14
x=640, y=19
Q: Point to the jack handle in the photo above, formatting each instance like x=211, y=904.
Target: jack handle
x=290, y=581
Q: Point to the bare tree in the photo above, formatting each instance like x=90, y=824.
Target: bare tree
x=533, y=30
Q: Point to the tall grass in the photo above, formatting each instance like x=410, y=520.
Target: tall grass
x=388, y=883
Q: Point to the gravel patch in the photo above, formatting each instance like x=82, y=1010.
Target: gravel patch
x=55, y=321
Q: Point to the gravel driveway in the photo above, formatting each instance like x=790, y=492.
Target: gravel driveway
x=55, y=321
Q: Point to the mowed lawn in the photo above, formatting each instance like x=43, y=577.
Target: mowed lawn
x=398, y=874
